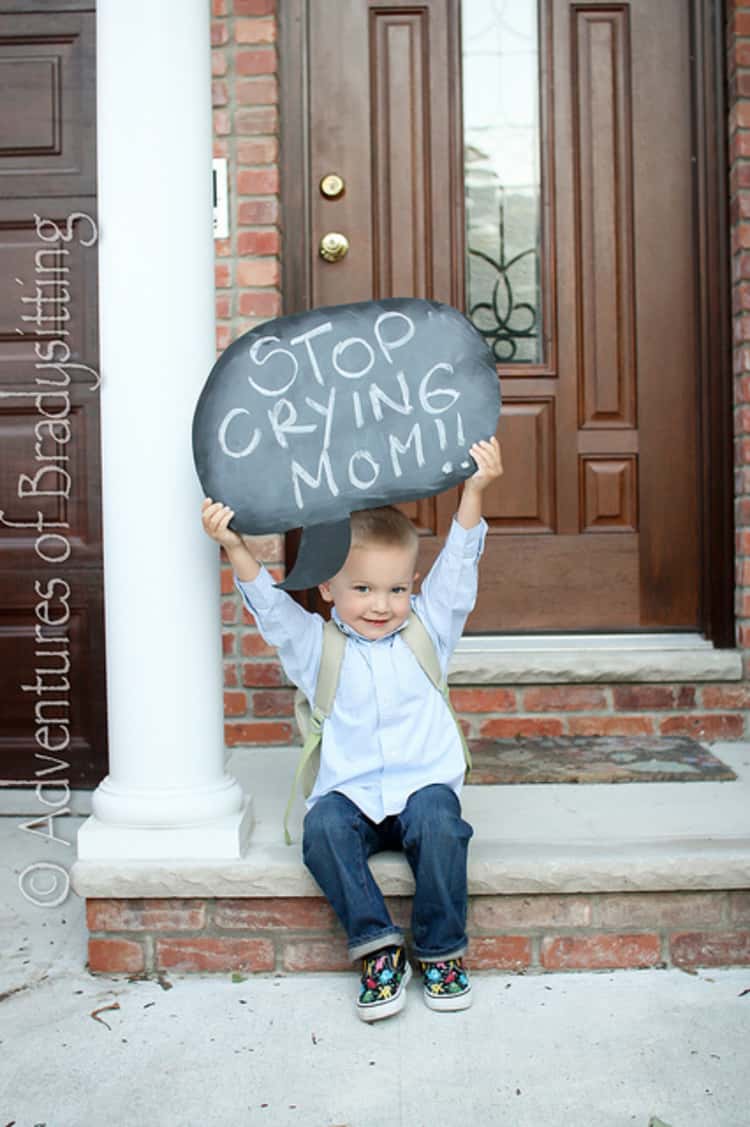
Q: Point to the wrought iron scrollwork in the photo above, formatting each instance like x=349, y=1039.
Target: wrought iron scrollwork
x=503, y=335
x=501, y=319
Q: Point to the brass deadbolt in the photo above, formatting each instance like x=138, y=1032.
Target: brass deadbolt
x=332, y=186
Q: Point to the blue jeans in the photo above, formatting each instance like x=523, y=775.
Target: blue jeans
x=338, y=839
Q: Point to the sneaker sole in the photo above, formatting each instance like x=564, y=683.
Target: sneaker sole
x=448, y=1002
x=375, y=1010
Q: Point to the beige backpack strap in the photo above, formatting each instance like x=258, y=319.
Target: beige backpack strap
x=419, y=641
x=421, y=644
x=331, y=659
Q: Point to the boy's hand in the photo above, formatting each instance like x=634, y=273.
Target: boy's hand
x=215, y=518
x=488, y=458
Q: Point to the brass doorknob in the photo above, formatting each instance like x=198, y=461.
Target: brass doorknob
x=333, y=246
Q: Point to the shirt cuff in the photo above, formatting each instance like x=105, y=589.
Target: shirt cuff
x=259, y=594
x=467, y=542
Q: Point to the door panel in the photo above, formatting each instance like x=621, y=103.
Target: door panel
x=53, y=692
x=49, y=97
x=395, y=144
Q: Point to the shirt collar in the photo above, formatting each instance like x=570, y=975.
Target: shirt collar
x=351, y=633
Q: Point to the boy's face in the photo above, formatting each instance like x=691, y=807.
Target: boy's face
x=371, y=592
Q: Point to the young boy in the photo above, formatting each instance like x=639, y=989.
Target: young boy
x=392, y=763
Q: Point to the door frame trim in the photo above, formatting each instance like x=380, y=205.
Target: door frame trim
x=713, y=339
x=715, y=408
x=294, y=155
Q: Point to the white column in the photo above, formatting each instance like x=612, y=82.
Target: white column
x=167, y=793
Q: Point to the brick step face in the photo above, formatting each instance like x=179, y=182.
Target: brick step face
x=512, y=933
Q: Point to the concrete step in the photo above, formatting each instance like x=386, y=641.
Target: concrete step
x=529, y=838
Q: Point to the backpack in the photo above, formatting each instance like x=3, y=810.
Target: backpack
x=310, y=720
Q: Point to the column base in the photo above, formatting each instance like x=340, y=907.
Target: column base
x=224, y=838
x=159, y=807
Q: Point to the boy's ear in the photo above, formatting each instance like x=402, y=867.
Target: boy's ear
x=416, y=577
x=325, y=591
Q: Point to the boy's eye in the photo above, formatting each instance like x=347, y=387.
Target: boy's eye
x=361, y=588
x=398, y=590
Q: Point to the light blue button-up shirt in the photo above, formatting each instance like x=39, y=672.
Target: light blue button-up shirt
x=390, y=732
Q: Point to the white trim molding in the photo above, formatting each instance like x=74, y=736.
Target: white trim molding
x=570, y=658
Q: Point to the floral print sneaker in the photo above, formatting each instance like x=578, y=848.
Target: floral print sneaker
x=385, y=975
x=446, y=985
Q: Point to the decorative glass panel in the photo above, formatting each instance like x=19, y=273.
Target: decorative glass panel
x=502, y=175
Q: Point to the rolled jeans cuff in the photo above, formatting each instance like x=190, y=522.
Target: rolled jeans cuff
x=385, y=939
x=457, y=953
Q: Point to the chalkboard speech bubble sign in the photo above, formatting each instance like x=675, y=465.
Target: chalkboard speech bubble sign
x=307, y=418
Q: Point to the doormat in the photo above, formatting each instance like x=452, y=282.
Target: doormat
x=595, y=759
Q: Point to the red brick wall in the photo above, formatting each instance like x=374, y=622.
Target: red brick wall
x=258, y=699
x=246, y=131
x=592, y=931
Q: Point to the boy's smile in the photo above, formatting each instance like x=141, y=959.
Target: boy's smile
x=372, y=591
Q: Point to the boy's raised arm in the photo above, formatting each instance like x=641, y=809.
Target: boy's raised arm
x=216, y=518
x=282, y=622
x=449, y=589
x=488, y=457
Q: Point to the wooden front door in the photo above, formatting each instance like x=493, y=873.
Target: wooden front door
x=596, y=523
x=52, y=683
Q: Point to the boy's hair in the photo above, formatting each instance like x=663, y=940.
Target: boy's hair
x=386, y=526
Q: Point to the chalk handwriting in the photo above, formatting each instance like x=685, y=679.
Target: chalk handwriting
x=275, y=369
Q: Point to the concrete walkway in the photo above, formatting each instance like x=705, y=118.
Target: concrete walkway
x=607, y=1049
x=588, y=1050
